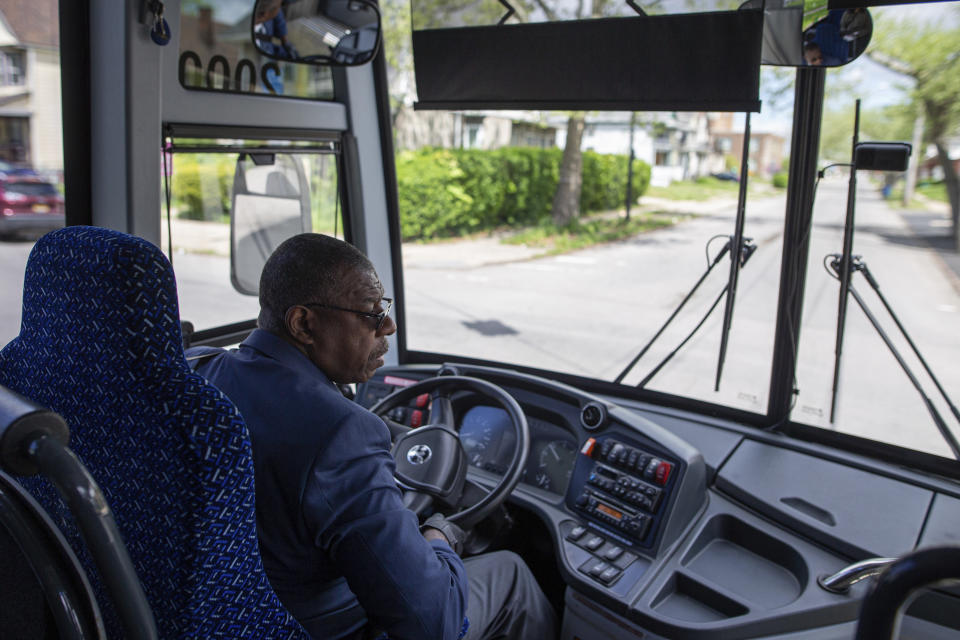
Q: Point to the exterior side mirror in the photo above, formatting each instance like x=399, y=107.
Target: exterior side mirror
x=331, y=33
x=882, y=156
x=270, y=203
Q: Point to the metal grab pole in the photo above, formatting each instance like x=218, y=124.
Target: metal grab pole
x=99, y=530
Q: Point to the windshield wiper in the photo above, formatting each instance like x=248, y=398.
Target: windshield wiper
x=744, y=249
x=735, y=265
x=842, y=266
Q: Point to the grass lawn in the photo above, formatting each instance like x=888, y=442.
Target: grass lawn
x=936, y=191
x=699, y=189
x=587, y=232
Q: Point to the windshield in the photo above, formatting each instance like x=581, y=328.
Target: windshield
x=501, y=266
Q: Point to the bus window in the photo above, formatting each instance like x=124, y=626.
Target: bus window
x=251, y=199
x=217, y=53
x=31, y=148
x=907, y=248
x=584, y=296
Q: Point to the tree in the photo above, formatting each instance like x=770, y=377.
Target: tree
x=566, y=199
x=929, y=54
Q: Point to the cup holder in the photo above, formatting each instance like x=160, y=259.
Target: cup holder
x=748, y=562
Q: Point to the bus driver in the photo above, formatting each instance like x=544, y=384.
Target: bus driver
x=344, y=555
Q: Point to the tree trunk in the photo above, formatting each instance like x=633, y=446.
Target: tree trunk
x=915, y=159
x=566, y=200
x=952, y=183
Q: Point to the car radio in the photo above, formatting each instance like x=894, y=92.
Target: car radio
x=623, y=486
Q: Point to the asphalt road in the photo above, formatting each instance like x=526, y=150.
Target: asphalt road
x=589, y=312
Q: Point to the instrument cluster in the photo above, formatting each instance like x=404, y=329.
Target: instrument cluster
x=489, y=442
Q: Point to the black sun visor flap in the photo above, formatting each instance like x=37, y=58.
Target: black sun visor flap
x=693, y=61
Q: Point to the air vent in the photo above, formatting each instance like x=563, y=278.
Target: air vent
x=593, y=415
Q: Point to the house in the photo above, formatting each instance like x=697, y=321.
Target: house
x=767, y=150
x=30, y=105
x=471, y=129
x=930, y=168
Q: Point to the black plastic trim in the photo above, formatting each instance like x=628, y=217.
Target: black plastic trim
x=585, y=105
x=76, y=109
x=882, y=451
x=381, y=90
x=591, y=385
x=808, y=107
x=193, y=130
x=223, y=336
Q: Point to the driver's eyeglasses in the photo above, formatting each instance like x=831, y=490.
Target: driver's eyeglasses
x=380, y=316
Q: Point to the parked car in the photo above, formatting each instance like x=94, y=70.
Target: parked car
x=10, y=169
x=728, y=176
x=29, y=204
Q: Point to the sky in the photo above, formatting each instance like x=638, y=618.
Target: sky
x=874, y=84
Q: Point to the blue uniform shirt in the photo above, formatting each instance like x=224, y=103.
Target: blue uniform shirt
x=337, y=543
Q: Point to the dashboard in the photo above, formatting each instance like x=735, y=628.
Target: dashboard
x=488, y=440
x=668, y=524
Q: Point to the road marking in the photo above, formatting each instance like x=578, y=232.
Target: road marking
x=534, y=267
x=576, y=260
x=947, y=308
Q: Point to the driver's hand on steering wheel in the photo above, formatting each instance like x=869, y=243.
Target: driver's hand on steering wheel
x=436, y=527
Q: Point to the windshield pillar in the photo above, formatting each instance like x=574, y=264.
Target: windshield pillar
x=804, y=147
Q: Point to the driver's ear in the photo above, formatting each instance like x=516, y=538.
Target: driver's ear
x=297, y=321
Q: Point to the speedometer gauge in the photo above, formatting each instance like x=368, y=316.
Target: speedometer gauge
x=555, y=465
x=476, y=444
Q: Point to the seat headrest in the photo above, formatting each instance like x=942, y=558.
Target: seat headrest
x=89, y=288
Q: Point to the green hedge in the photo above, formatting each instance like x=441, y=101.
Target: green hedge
x=447, y=192
x=202, y=184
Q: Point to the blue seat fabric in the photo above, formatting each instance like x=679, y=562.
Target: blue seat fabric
x=100, y=344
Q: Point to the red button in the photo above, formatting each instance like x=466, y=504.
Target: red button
x=663, y=472
x=422, y=400
x=416, y=418
x=587, y=448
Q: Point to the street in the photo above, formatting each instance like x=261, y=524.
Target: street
x=590, y=312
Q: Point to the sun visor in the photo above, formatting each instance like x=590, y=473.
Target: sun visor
x=685, y=62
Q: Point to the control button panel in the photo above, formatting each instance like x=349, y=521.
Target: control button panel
x=412, y=414
x=607, y=561
x=623, y=486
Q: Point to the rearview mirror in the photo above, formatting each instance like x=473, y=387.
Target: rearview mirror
x=334, y=32
x=833, y=40
x=270, y=203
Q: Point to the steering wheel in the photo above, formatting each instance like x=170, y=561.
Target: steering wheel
x=430, y=460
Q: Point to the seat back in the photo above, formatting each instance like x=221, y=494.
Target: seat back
x=44, y=592
x=100, y=344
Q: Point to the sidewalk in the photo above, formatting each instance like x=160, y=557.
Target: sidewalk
x=932, y=226
x=478, y=251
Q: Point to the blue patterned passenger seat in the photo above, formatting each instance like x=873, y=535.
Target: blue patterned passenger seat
x=100, y=344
